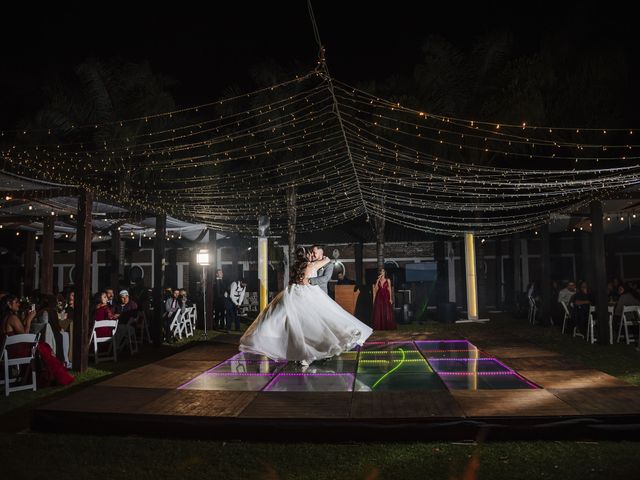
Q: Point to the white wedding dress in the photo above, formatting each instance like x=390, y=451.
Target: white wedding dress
x=302, y=323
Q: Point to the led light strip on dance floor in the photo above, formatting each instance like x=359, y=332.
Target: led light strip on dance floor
x=376, y=366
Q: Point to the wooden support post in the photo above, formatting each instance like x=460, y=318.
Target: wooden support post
x=159, y=246
x=599, y=287
x=82, y=283
x=46, y=272
x=545, y=314
x=29, y=263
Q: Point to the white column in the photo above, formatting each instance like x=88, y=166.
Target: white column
x=180, y=275
x=472, y=285
x=263, y=271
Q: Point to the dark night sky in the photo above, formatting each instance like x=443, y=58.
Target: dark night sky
x=208, y=50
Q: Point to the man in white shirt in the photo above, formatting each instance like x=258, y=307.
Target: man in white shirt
x=237, y=291
x=564, y=295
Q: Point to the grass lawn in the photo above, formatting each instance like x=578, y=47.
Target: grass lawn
x=87, y=457
x=111, y=457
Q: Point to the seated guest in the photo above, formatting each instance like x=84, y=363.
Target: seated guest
x=12, y=324
x=564, y=295
x=581, y=303
x=103, y=312
x=343, y=280
x=70, y=305
x=110, y=297
x=56, y=328
x=126, y=309
x=172, y=307
x=627, y=297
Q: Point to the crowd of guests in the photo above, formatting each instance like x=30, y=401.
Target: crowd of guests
x=51, y=317
x=578, y=298
x=45, y=319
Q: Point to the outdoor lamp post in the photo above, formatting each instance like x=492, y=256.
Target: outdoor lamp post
x=203, y=259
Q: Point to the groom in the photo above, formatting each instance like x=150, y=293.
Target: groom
x=325, y=273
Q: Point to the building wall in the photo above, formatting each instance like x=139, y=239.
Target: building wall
x=495, y=273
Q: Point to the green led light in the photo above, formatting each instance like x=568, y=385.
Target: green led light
x=390, y=371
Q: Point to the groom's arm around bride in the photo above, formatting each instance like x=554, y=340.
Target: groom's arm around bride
x=324, y=275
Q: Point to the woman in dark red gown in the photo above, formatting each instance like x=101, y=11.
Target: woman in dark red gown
x=53, y=370
x=383, y=303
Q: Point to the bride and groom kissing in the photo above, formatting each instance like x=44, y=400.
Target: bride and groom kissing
x=323, y=273
x=302, y=323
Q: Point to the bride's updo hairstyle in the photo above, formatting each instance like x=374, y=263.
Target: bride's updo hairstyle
x=301, y=254
x=296, y=272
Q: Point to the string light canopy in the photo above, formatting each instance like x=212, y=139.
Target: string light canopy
x=349, y=155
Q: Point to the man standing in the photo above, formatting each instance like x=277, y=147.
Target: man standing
x=219, y=294
x=237, y=291
x=325, y=273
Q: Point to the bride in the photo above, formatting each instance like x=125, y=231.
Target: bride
x=302, y=323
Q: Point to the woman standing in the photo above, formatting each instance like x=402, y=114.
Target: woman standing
x=383, y=303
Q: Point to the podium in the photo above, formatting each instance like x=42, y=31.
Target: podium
x=346, y=297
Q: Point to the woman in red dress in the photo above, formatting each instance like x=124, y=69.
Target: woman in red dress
x=383, y=303
x=103, y=312
x=53, y=370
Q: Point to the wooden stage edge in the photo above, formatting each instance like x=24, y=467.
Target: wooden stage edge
x=574, y=403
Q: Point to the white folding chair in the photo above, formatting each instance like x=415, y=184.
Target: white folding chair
x=532, y=310
x=177, y=324
x=187, y=323
x=193, y=316
x=591, y=335
x=630, y=317
x=112, y=353
x=8, y=361
x=567, y=315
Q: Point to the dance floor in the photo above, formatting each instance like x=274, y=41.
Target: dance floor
x=417, y=388
x=374, y=367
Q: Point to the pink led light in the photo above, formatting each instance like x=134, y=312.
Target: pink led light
x=296, y=374
x=443, y=341
x=485, y=374
x=446, y=351
x=463, y=359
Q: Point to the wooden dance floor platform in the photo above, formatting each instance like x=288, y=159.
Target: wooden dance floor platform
x=404, y=389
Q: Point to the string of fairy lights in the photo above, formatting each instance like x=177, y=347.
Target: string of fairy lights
x=348, y=153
